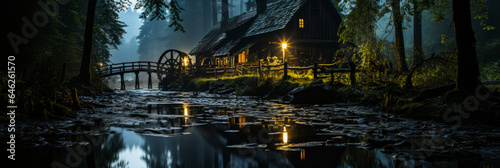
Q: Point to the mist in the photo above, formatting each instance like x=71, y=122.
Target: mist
x=146, y=40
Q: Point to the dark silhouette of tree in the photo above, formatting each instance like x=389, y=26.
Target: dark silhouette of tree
x=225, y=12
x=153, y=9
x=417, y=33
x=467, y=65
x=207, y=22
x=214, y=12
x=398, y=30
x=84, y=77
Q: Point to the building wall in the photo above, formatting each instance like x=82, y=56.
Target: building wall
x=311, y=34
x=320, y=20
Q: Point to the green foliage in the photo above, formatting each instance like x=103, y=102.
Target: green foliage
x=444, y=37
x=439, y=8
x=175, y=9
x=490, y=71
x=157, y=9
x=434, y=73
x=489, y=50
x=480, y=12
x=359, y=23
x=108, y=32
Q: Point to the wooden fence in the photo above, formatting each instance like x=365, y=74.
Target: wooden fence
x=319, y=70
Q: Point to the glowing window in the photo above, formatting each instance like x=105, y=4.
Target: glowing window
x=301, y=23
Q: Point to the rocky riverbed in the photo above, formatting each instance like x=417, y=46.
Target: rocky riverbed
x=153, y=128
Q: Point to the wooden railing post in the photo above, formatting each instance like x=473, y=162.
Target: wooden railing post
x=332, y=78
x=235, y=73
x=150, y=82
x=111, y=69
x=122, y=82
x=260, y=69
x=285, y=70
x=136, y=79
x=215, y=71
x=352, y=75
x=315, y=70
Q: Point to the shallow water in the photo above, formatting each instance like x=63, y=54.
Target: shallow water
x=152, y=128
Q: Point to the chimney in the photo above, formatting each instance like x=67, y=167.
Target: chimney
x=261, y=6
x=225, y=13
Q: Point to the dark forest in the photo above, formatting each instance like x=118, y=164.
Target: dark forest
x=250, y=83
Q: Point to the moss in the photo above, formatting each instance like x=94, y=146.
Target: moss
x=61, y=110
x=429, y=109
x=371, y=97
x=494, y=87
x=347, y=93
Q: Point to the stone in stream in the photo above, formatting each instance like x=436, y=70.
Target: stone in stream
x=380, y=143
x=224, y=91
x=309, y=95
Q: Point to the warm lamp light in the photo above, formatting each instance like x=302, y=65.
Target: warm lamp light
x=283, y=47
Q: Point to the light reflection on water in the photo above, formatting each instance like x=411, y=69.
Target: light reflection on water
x=285, y=135
x=198, y=149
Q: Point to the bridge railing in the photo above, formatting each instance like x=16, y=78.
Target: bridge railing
x=127, y=67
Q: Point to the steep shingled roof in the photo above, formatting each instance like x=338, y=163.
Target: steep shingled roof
x=276, y=17
x=217, y=35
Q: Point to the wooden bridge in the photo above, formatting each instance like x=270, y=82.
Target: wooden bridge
x=135, y=67
x=170, y=63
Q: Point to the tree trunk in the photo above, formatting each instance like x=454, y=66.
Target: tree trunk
x=214, y=12
x=85, y=75
x=467, y=67
x=417, y=35
x=241, y=6
x=224, y=13
x=398, y=28
x=231, y=8
x=206, y=16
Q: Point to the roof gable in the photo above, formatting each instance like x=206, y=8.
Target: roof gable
x=217, y=34
x=276, y=17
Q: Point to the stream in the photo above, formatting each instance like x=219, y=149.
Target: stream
x=153, y=128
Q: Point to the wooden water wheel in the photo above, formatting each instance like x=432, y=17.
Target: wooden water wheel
x=170, y=63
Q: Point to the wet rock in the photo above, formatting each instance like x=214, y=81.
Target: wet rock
x=248, y=146
x=398, y=145
x=362, y=121
x=224, y=91
x=334, y=140
x=139, y=115
x=99, y=122
x=290, y=95
x=309, y=95
x=167, y=135
x=380, y=143
x=232, y=131
x=388, y=131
